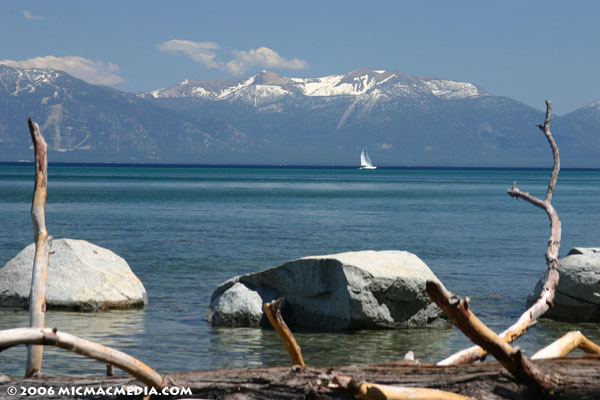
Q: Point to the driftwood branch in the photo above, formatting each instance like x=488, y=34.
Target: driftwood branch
x=43, y=244
x=565, y=345
x=273, y=311
x=47, y=336
x=511, y=358
x=371, y=391
x=546, y=298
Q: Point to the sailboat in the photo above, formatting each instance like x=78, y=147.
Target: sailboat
x=365, y=161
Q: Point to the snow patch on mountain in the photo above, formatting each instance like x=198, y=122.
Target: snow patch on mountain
x=224, y=93
x=371, y=101
x=16, y=81
x=256, y=95
x=158, y=93
x=200, y=92
x=386, y=79
x=326, y=86
x=452, y=89
x=346, y=114
x=334, y=85
x=592, y=106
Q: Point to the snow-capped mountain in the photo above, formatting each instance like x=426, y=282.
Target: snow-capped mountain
x=268, y=86
x=271, y=119
x=89, y=123
x=401, y=118
x=590, y=113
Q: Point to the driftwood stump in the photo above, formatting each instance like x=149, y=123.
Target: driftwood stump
x=43, y=244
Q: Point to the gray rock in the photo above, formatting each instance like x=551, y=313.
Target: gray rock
x=354, y=290
x=585, y=251
x=578, y=292
x=81, y=276
x=237, y=306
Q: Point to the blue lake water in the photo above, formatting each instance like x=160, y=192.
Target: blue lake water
x=186, y=230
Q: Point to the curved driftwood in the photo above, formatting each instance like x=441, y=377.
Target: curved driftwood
x=545, y=301
x=43, y=244
x=273, y=311
x=46, y=336
x=372, y=391
x=565, y=345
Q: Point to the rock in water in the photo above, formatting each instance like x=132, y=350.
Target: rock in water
x=81, y=276
x=238, y=306
x=354, y=290
x=578, y=292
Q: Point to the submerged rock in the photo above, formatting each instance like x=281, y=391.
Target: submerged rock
x=354, y=290
x=578, y=292
x=81, y=276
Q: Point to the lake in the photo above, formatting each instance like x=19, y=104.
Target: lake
x=185, y=230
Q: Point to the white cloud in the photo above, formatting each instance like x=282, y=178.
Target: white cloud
x=95, y=72
x=203, y=52
x=206, y=54
x=262, y=57
x=30, y=16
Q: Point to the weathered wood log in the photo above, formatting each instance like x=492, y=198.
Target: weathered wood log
x=273, y=311
x=565, y=345
x=513, y=360
x=372, y=391
x=46, y=336
x=487, y=381
x=545, y=301
x=43, y=244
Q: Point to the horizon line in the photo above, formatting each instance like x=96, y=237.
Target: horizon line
x=292, y=166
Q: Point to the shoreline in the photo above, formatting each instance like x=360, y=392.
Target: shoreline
x=483, y=380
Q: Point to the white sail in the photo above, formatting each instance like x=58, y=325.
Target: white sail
x=365, y=160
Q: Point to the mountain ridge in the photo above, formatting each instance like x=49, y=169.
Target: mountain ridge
x=355, y=83
x=271, y=119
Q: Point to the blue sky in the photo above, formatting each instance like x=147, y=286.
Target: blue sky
x=526, y=50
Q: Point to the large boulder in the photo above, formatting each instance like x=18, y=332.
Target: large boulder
x=578, y=292
x=81, y=276
x=354, y=290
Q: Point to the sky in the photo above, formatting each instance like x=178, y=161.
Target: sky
x=527, y=50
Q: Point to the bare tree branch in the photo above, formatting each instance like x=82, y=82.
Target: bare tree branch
x=43, y=244
x=546, y=129
x=47, y=336
x=545, y=301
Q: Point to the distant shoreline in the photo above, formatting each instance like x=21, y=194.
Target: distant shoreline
x=278, y=166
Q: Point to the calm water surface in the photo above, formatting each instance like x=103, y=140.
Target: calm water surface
x=186, y=230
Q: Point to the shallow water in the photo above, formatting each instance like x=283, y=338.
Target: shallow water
x=186, y=230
